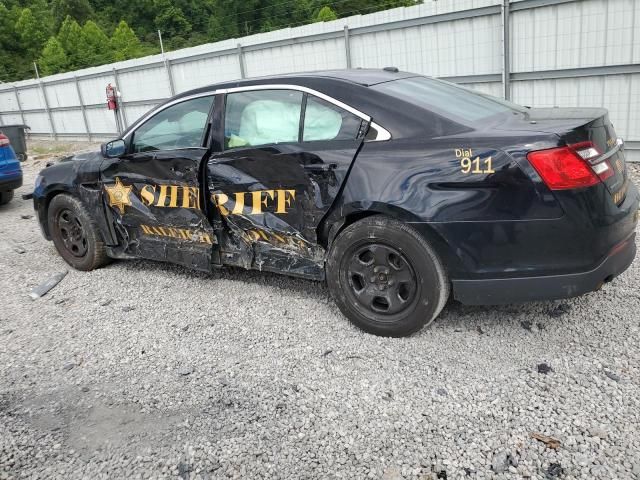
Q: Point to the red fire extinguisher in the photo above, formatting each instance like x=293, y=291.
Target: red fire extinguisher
x=112, y=101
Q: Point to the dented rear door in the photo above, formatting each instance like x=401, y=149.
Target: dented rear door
x=269, y=199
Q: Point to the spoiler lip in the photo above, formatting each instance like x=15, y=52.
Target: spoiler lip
x=27, y=196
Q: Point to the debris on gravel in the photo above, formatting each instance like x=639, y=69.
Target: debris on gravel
x=46, y=286
x=145, y=370
x=547, y=440
x=544, y=368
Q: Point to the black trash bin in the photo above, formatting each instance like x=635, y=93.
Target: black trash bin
x=17, y=135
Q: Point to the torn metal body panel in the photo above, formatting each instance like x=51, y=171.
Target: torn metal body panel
x=272, y=200
x=154, y=200
x=78, y=175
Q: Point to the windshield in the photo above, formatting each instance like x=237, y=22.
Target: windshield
x=447, y=99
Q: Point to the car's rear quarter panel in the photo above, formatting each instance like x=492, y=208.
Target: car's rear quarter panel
x=487, y=225
x=423, y=182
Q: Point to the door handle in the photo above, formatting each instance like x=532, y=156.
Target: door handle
x=320, y=167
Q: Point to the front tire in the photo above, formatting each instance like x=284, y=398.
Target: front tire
x=75, y=234
x=386, y=278
x=6, y=197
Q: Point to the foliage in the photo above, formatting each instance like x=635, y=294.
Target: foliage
x=94, y=45
x=79, y=10
x=53, y=59
x=63, y=35
x=124, y=43
x=170, y=19
x=32, y=35
x=326, y=15
x=70, y=38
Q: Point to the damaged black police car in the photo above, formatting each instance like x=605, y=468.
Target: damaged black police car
x=394, y=187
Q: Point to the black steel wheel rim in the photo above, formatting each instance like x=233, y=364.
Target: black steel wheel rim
x=381, y=279
x=72, y=233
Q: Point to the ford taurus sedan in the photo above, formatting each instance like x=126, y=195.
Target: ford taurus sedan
x=396, y=189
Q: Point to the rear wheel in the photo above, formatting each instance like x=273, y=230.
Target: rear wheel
x=6, y=197
x=75, y=234
x=386, y=278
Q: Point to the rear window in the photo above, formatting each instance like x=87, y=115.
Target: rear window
x=447, y=99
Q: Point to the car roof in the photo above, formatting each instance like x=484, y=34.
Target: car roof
x=361, y=76
x=358, y=76
x=336, y=83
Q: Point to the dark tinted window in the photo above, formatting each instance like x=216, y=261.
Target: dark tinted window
x=447, y=99
x=325, y=121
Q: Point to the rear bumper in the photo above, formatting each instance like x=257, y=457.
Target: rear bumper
x=527, y=289
x=11, y=183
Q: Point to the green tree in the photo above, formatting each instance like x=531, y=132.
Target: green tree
x=170, y=20
x=326, y=15
x=124, y=43
x=355, y=7
x=302, y=11
x=42, y=12
x=27, y=25
x=70, y=38
x=80, y=10
x=7, y=29
x=7, y=43
x=215, y=30
x=53, y=58
x=32, y=35
x=94, y=45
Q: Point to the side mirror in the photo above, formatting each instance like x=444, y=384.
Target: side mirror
x=113, y=149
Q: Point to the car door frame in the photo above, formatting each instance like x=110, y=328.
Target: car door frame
x=204, y=145
x=218, y=133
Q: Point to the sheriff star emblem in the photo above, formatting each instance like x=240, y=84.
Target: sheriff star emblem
x=119, y=195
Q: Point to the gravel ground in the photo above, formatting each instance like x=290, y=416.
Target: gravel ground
x=145, y=370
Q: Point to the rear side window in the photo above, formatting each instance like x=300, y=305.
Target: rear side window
x=325, y=121
x=447, y=99
x=262, y=117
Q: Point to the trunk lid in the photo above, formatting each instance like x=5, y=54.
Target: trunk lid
x=590, y=132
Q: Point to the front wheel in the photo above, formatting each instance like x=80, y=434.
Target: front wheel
x=386, y=278
x=6, y=197
x=75, y=234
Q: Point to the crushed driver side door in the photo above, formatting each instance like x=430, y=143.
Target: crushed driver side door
x=153, y=192
x=285, y=154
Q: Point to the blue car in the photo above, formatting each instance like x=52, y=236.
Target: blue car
x=10, y=171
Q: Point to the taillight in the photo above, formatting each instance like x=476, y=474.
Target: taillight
x=574, y=166
x=587, y=151
x=4, y=141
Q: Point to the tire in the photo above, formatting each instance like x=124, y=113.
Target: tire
x=6, y=197
x=75, y=234
x=386, y=278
